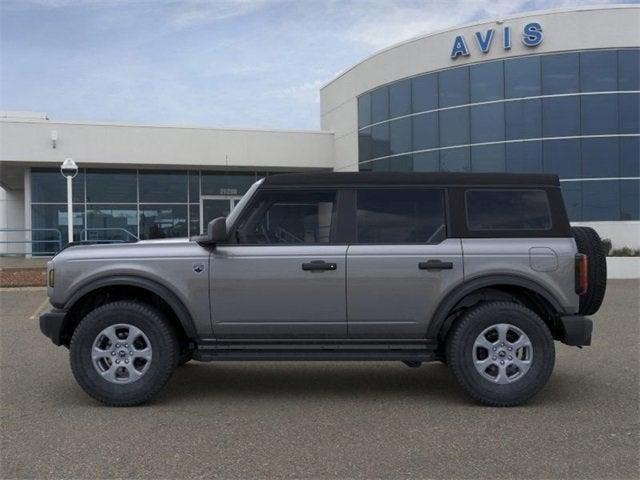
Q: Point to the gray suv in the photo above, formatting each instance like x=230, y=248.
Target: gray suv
x=479, y=271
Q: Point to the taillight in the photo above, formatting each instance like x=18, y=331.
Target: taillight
x=582, y=282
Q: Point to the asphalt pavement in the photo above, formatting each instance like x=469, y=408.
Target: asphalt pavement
x=322, y=420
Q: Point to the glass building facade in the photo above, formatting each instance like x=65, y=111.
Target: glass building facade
x=120, y=205
x=573, y=114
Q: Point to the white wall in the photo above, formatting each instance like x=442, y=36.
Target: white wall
x=576, y=29
x=621, y=234
x=29, y=141
x=11, y=216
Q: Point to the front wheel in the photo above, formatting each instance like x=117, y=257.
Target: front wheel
x=501, y=353
x=123, y=353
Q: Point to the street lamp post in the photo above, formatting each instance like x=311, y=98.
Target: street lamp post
x=69, y=169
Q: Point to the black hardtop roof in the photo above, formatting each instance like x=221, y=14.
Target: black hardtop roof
x=392, y=178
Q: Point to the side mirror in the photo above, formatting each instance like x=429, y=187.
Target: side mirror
x=217, y=230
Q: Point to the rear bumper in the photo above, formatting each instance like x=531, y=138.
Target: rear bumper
x=577, y=330
x=52, y=324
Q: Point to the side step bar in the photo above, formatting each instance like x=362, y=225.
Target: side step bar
x=319, y=352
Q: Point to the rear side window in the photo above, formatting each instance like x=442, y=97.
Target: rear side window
x=507, y=210
x=400, y=216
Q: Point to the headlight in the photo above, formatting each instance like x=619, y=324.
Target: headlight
x=52, y=277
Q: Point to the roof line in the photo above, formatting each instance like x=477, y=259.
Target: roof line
x=475, y=23
x=143, y=125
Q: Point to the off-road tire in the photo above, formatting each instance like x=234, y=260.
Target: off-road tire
x=589, y=243
x=164, y=348
x=459, y=353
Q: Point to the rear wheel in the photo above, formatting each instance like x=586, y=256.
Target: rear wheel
x=589, y=243
x=123, y=353
x=501, y=353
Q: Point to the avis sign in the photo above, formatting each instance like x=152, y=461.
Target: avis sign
x=531, y=37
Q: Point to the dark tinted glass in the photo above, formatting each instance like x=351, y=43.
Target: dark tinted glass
x=162, y=187
x=400, y=135
x=487, y=81
x=523, y=119
x=522, y=77
x=401, y=216
x=562, y=157
x=194, y=187
x=599, y=114
x=365, y=145
x=54, y=219
x=426, y=162
x=425, y=131
x=380, y=104
x=227, y=183
x=112, y=186
x=572, y=195
x=364, y=110
x=379, y=165
x=454, y=127
x=48, y=185
x=599, y=71
x=487, y=158
x=295, y=217
x=507, y=210
x=194, y=220
x=487, y=123
x=163, y=221
x=630, y=157
x=561, y=116
x=601, y=200
x=400, y=98
x=454, y=87
x=524, y=157
x=629, y=111
x=455, y=160
x=424, y=92
x=560, y=73
x=629, y=199
x=112, y=222
x=401, y=163
x=629, y=69
x=600, y=157
x=380, y=140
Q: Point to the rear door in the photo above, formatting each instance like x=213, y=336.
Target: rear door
x=284, y=277
x=400, y=263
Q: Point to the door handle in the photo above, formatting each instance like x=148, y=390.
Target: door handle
x=319, y=266
x=435, y=265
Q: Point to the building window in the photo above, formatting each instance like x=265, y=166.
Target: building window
x=379, y=105
x=400, y=98
x=560, y=73
x=522, y=77
x=163, y=187
x=487, y=81
x=364, y=110
x=599, y=71
x=561, y=116
x=454, y=87
x=49, y=186
x=163, y=221
x=112, y=186
x=424, y=93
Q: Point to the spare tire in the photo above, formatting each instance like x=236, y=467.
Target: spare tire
x=589, y=243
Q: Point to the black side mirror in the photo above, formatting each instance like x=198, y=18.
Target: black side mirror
x=217, y=230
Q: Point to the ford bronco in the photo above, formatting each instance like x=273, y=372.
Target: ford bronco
x=480, y=271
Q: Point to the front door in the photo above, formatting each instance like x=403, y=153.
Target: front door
x=284, y=276
x=214, y=206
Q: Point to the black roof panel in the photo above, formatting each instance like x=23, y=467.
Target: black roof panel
x=392, y=178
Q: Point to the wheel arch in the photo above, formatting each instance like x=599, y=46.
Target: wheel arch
x=106, y=289
x=493, y=287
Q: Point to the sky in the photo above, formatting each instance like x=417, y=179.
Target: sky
x=217, y=63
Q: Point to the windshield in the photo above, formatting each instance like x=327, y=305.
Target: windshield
x=242, y=203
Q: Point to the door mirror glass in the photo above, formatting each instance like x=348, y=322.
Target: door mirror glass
x=217, y=230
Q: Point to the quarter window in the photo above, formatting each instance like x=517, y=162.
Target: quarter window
x=507, y=210
x=400, y=216
x=285, y=218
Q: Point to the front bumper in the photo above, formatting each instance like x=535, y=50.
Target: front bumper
x=52, y=325
x=577, y=330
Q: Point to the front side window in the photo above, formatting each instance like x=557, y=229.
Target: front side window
x=507, y=210
x=400, y=216
x=288, y=218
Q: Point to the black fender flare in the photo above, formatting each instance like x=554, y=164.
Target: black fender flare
x=178, y=307
x=458, y=293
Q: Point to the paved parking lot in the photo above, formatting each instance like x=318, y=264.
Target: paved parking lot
x=321, y=420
